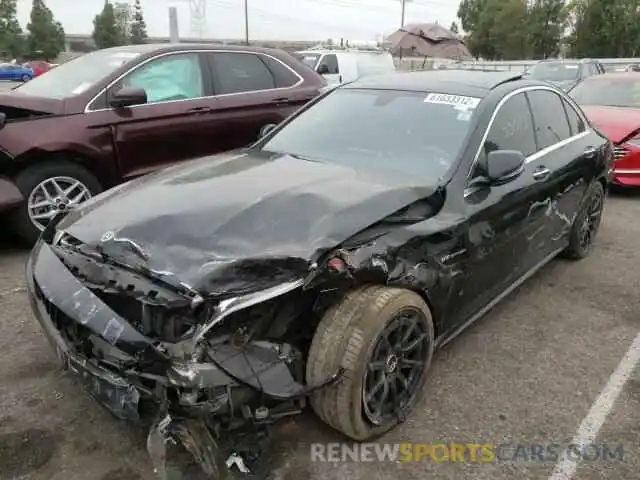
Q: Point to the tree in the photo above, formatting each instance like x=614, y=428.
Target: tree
x=11, y=38
x=509, y=31
x=46, y=36
x=138, y=33
x=106, y=32
x=604, y=28
x=546, y=26
x=454, y=27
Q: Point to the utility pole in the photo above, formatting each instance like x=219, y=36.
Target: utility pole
x=246, y=22
x=403, y=8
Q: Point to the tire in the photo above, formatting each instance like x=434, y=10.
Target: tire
x=31, y=177
x=590, y=211
x=346, y=337
x=26, y=78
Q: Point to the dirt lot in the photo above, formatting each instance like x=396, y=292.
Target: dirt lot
x=529, y=372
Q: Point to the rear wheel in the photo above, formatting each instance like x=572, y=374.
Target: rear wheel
x=49, y=188
x=586, y=225
x=383, y=338
x=26, y=78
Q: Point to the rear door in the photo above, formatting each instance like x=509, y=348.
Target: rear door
x=172, y=126
x=252, y=90
x=559, y=170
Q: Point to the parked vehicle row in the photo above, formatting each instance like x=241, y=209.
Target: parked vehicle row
x=13, y=72
x=566, y=74
x=327, y=261
x=115, y=114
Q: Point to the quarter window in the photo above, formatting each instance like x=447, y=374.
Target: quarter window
x=241, y=72
x=575, y=121
x=331, y=61
x=284, y=77
x=172, y=77
x=550, y=119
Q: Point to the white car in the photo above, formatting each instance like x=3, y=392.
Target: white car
x=344, y=65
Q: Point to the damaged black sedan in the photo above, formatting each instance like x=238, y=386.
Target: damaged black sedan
x=324, y=264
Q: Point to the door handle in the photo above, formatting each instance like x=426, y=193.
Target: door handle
x=590, y=152
x=541, y=173
x=281, y=100
x=199, y=110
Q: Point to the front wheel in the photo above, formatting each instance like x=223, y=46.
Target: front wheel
x=383, y=339
x=26, y=78
x=49, y=188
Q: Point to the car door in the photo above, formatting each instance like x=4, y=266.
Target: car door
x=252, y=90
x=169, y=128
x=498, y=216
x=329, y=68
x=559, y=169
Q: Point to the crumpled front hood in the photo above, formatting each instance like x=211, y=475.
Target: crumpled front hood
x=242, y=218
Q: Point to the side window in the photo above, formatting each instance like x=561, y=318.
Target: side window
x=550, y=119
x=172, y=77
x=331, y=61
x=575, y=121
x=241, y=72
x=283, y=75
x=512, y=129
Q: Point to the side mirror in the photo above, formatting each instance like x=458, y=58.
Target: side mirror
x=504, y=165
x=323, y=69
x=127, y=97
x=266, y=129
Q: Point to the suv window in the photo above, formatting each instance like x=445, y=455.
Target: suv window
x=283, y=75
x=331, y=61
x=241, y=72
x=512, y=129
x=575, y=121
x=550, y=119
x=171, y=77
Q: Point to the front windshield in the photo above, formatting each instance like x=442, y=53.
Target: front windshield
x=555, y=71
x=408, y=132
x=609, y=92
x=77, y=75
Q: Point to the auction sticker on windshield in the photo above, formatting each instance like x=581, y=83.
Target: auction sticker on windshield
x=458, y=101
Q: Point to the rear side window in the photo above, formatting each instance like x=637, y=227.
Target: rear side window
x=283, y=75
x=241, y=72
x=549, y=117
x=575, y=121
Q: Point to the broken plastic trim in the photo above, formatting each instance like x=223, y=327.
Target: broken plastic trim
x=231, y=305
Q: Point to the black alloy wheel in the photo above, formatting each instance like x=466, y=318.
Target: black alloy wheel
x=591, y=221
x=395, y=368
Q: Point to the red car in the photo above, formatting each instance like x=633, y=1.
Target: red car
x=612, y=103
x=39, y=67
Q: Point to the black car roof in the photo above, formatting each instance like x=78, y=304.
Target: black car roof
x=476, y=83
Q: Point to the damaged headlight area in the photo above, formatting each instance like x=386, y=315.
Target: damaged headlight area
x=208, y=373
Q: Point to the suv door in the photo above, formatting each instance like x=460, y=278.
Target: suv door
x=252, y=90
x=560, y=168
x=497, y=215
x=172, y=125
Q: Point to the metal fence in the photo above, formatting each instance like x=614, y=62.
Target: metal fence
x=415, y=63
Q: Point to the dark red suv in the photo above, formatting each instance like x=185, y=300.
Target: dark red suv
x=118, y=113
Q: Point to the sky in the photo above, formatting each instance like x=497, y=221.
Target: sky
x=268, y=19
